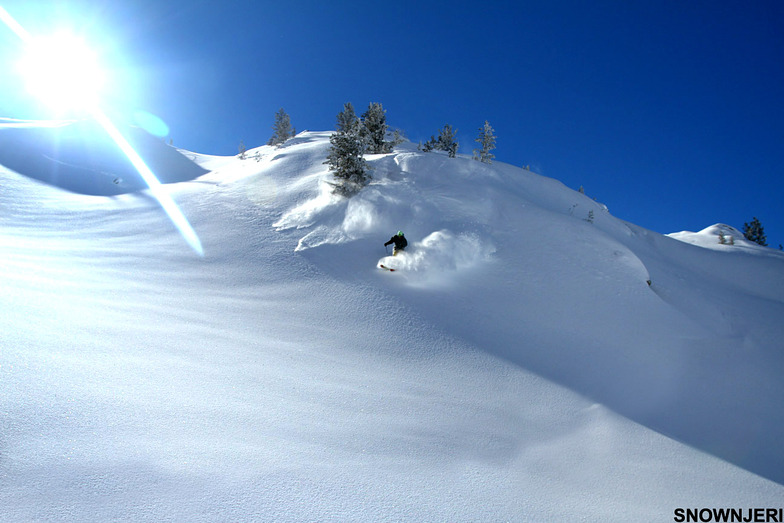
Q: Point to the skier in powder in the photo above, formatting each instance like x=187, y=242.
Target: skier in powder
x=400, y=242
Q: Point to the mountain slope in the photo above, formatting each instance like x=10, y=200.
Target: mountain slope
x=511, y=370
x=544, y=277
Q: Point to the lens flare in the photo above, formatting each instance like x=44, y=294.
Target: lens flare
x=165, y=200
x=63, y=72
x=13, y=25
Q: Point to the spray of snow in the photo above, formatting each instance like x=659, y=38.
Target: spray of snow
x=441, y=251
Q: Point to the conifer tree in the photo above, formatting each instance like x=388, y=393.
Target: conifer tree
x=374, y=129
x=487, y=140
x=444, y=142
x=346, y=160
x=282, y=129
x=754, y=232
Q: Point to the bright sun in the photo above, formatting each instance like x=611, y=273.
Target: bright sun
x=63, y=72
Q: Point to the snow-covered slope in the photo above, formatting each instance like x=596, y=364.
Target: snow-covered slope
x=517, y=367
x=721, y=237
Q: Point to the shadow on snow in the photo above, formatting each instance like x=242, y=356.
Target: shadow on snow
x=80, y=157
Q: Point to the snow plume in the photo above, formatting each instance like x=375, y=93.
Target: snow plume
x=335, y=219
x=305, y=214
x=442, y=251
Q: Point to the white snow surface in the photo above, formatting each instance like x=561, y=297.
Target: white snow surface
x=518, y=366
x=719, y=237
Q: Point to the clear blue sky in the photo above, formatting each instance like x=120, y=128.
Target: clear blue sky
x=669, y=112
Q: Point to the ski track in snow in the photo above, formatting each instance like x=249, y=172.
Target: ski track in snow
x=516, y=367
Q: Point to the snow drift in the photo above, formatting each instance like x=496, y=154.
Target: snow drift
x=534, y=359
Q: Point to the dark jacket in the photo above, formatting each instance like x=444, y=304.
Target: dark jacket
x=399, y=241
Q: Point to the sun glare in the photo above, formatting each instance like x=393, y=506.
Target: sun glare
x=62, y=72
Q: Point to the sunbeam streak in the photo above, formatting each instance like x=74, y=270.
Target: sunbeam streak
x=163, y=197
x=13, y=25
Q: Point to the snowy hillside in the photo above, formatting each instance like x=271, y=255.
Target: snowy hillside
x=722, y=237
x=517, y=367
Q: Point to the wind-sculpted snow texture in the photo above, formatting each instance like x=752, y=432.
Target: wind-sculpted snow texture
x=517, y=367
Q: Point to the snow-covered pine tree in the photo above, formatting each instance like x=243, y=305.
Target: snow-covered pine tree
x=282, y=129
x=755, y=232
x=447, y=142
x=347, y=121
x=486, y=139
x=345, y=159
x=374, y=129
x=243, y=150
x=444, y=142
